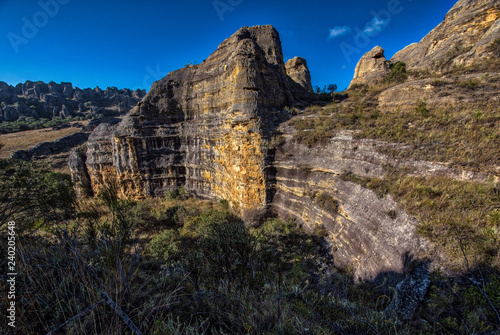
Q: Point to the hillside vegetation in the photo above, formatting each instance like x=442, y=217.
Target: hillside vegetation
x=179, y=265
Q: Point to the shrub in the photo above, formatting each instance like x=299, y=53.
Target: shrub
x=494, y=47
x=33, y=196
x=398, y=72
x=172, y=194
x=215, y=245
x=469, y=84
x=164, y=244
x=327, y=202
x=421, y=109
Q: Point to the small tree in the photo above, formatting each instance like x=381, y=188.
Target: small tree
x=332, y=88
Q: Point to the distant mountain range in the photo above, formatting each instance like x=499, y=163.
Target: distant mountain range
x=50, y=100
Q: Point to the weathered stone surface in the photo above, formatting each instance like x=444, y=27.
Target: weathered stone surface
x=409, y=294
x=296, y=68
x=80, y=178
x=362, y=234
x=372, y=67
x=203, y=126
x=462, y=38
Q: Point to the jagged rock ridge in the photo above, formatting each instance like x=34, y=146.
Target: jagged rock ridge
x=461, y=39
x=47, y=100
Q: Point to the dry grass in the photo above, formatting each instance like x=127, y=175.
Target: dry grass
x=464, y=135
x=25, y=140
x=460, y=216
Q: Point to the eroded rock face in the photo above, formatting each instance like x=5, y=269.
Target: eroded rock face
x=372, y=67
x=368, y=233
x=63, y=144
x=207, y=127
x=297, y=70
x=203, y=127
x=462, y=38
x=76, y=162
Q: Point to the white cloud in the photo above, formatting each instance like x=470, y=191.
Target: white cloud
x=339, y=31
x=375, y=26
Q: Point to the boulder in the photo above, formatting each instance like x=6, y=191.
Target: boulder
x=297, y=70
x=371, y=68
x=409, y=294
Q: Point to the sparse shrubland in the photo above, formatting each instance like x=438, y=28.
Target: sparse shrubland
x=29, y=123
x=465, y=135
x=460, y=216
x=187, y=266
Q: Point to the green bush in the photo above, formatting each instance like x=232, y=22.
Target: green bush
x=327, y=202
x=33, y=196
x=469, y=84
x=398, y=72
x=164, y=245
x=421, y=109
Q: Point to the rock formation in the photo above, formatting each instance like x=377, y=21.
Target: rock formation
x=204, y=127
x=372, y=67
x=462, y=38
x=409, y=294
x=209, y=127
x=297, y=70
x=80, y=177
x=41, y=100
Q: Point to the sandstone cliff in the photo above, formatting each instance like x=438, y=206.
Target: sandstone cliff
x=204, y=127
x=462, y=41
x=220, y=129
x=210, y=128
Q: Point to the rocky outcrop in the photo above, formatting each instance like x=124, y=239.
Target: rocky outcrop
x=462, y=38
x=367, y=233
x=80, y=177
x=372, y=67
x=444, y=92
x=409, y=294
x=204, y=127
x=41, y=100
x=209, y=127
x=297, y=70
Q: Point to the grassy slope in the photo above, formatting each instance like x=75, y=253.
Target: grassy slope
x=460, y=216
x=25, y=140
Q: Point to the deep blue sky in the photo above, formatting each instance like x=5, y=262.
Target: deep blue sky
x=129, y=44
